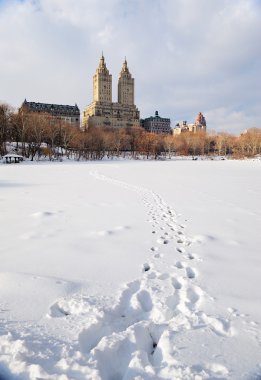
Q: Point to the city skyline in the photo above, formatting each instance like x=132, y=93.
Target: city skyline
x=186, y=56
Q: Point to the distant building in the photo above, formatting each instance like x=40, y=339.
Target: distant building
x=156, y=124
x=199, y=125
x=200, y=120
x=68, y=114
x=102, y=112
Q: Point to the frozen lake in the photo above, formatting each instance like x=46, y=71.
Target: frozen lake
x=130, y=270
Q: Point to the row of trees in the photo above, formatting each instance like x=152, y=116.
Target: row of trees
x=38, y=135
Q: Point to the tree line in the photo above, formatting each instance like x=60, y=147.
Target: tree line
x=38, y=136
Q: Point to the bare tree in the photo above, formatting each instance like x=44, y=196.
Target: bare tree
x=6, y=113
x=36, y=134
x=169, y=145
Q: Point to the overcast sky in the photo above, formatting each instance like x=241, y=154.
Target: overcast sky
x=186, y=55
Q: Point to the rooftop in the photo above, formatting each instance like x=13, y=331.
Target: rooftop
x=55, y=109
x=156, y=117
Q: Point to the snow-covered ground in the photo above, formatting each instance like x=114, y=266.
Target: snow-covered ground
x=130, y=270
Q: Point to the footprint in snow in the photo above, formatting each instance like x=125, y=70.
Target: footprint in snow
x=193, y=296
x=42, y=214
x=191, y=273
x=145, y=300
x=176, y=283
x=173, y=301
x=179, y=265
x=146, y=267
x=162, y=240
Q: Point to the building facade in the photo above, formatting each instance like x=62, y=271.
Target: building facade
x=103, y=112
x=199, y=125
x=156, y=124
x=58, y=112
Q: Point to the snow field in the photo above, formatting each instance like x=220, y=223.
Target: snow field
x=161, y=325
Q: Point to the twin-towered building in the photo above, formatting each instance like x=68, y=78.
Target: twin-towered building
x=103, y=112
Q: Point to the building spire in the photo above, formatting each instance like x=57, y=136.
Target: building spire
x=125, y=68
x=102, y=61
x=102, y=65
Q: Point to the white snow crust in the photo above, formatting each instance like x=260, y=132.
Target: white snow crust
x=124, y=270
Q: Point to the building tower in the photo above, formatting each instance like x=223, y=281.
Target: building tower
x=200, y=120
x=102, y=88
x=125, y=86
x=103, y=112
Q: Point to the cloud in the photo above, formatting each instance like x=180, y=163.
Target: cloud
x=228, y=119
x=186, y=55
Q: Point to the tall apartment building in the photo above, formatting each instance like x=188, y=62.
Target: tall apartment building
x=103, y=112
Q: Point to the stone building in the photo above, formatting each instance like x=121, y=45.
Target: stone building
x=200, y=120
x=103, y=112
x=156, y=124
x=199, y=125
x=59, y=112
